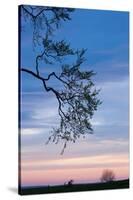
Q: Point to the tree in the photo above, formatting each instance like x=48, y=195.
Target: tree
x=77, y=98
x=107, y=176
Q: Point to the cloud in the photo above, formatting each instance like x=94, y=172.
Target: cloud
x=82, y=161
x=81, y=169
x=45, y=113
x=114, y=110
x=109, y=122
x=95, y=145
x=117, y=85
x=39, y=111
x=34, y=138
x=29, y=131
x=116, y=51
x=79, y=162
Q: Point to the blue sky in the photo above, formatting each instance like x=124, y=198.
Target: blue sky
x=105, y=34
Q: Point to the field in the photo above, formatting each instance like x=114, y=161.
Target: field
x=121, y=184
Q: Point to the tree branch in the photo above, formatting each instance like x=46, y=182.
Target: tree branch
x=39, y=13
x=28, y=12
x=57, y=94
x=32, y=73
x=77, y=99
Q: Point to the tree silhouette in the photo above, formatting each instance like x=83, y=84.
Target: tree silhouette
x=77, y=98
x=107, y=176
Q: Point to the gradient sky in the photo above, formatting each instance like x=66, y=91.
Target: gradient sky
x=105, y=35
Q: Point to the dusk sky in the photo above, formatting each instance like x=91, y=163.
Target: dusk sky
x=105, y=34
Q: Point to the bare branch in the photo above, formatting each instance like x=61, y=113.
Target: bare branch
x=38, y=14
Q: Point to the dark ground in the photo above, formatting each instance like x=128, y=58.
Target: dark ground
x=74, y=188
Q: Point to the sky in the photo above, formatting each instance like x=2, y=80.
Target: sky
x=105, y=34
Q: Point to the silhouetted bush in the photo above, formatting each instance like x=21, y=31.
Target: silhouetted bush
x=107, y=176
